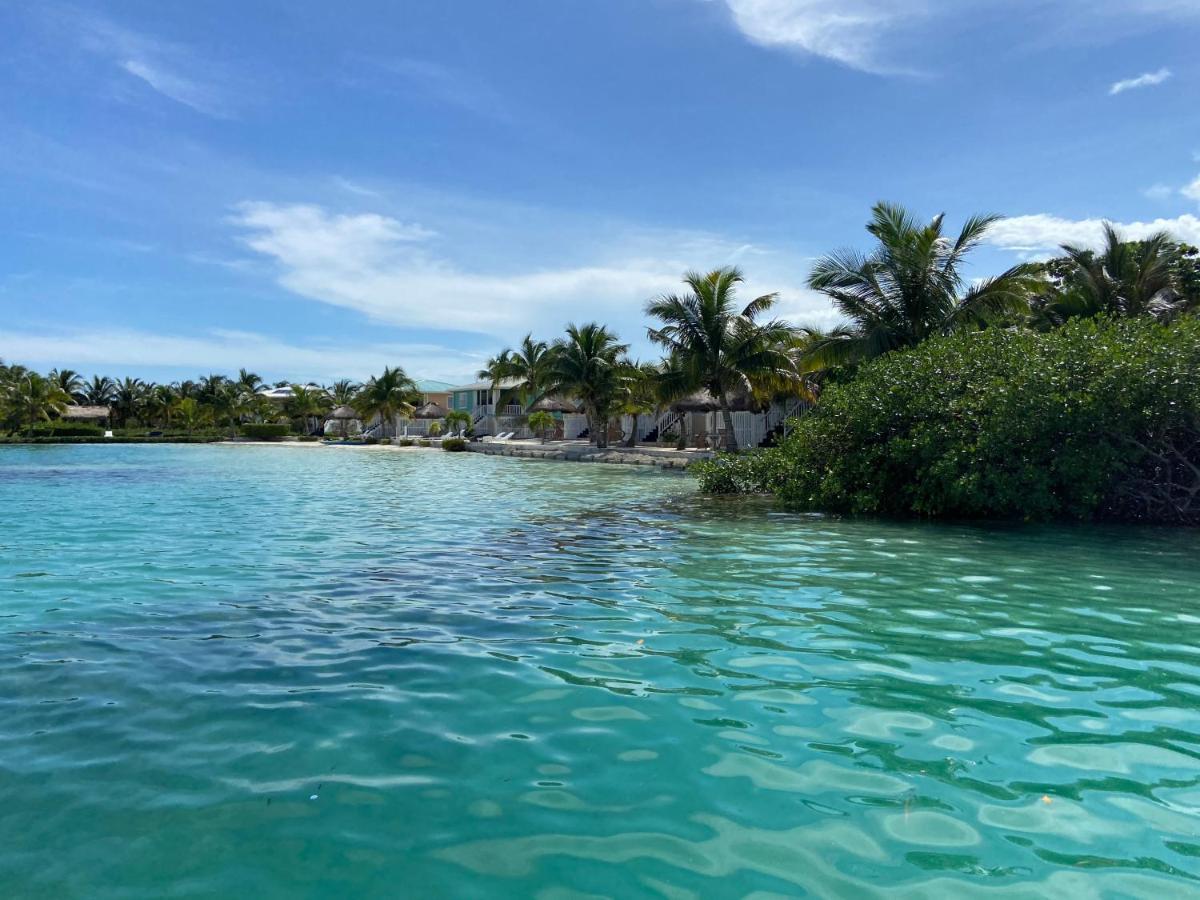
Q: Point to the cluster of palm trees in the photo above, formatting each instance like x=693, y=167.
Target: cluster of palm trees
x=911, y=286
x=712, y=343
x=216, y=401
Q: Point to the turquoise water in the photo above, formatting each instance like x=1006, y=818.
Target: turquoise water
x=317, y=672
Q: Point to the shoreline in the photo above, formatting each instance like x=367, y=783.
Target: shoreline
x=665, y=458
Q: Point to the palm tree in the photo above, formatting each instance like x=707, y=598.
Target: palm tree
x=127, y=399
x=386, y=396
x=541, y=422
x=642, y=394
x=190, y=414
x=249, y=381
x=589, y=364
x=306, y=404
x=342, y=393
x=100, y=391
x=33, y=398
x=159, y=403
x=529, y=365
x=458, y=417
x=719, y=347
x=69, y=381
x=1126, y=278
x=909, y=288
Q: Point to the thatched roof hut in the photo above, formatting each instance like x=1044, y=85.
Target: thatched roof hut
x=86, y=413
x=430, y=410
x=342, y=412
x=703, y=402
x=554, y=404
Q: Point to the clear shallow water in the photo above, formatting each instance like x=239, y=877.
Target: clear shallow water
x=513, y=678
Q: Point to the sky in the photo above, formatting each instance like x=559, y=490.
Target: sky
x=316, y=190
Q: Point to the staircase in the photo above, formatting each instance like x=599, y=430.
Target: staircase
x=663, y=425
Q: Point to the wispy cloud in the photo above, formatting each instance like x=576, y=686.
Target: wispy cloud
x=1158, y=192
x=1148, y=79
x=1192, y=191
x=1042, y=231
x=869, y=34
x=199, y=97
x=168, y=68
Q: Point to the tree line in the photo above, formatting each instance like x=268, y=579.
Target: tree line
x=910, y=286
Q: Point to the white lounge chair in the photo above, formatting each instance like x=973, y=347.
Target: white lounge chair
x=502, y=436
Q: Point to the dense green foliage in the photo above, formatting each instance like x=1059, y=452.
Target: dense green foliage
x=454, y=445
x=59, y=428
x=1097, y=419
x=266, y=431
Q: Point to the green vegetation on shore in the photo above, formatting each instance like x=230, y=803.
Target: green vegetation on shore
x=1062, y=389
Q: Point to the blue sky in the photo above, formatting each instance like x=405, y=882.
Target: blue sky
x=315, y=190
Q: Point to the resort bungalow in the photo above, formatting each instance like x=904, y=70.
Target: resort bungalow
x=489, y=405
x=433, y=391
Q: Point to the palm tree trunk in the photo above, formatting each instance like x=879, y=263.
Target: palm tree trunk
x=631, y=441
x=727, y=415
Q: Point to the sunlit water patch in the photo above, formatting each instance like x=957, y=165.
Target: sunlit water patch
x=244, y=671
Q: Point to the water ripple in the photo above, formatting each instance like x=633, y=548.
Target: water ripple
x=309, y=672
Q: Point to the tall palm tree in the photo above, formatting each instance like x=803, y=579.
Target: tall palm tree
x=387, y=396
x=1126, y=278
x=719, y=346
x=909, y=288
x=159, y=404
x=249, y=381
x=127, y=399
x=210, y=386
x=33, y=398
x=590, y=365
x=306, y=404
x=529, y=365
x=342, y=393
x=100, y=391
x=69, y=381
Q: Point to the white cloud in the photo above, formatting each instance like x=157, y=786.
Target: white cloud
x=1159, y=192
x=1042, y=232
x=846, y=31
x=1192, y=191
x=1149, y=79
x=119, y=351
x=386, y=270
x=859, y=33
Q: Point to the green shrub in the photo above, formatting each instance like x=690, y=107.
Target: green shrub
x=385, y=440
x=1096, y=419
x=266, y=431
x=748, y=472
x=65, y=429
x=371, y=440
x=454, y=445
x=424, y=443
x=406, y=442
